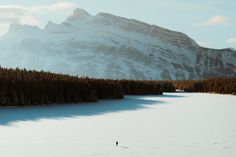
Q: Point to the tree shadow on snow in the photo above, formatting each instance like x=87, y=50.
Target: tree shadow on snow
x=11, y=115
x=172, y=95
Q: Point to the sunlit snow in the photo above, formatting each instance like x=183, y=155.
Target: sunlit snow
x=172, y=125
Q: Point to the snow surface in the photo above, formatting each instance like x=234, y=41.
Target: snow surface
x=172, y=125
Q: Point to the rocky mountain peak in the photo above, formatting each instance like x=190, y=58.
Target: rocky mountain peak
x=78, y=14
x=109, y=46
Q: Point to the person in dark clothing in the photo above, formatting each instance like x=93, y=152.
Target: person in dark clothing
x=117, y=143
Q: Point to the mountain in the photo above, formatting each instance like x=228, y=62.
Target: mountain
x=108, y=46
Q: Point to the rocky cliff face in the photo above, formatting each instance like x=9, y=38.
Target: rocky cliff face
x=108, y=46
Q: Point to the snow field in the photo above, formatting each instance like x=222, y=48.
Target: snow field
x=175, y=124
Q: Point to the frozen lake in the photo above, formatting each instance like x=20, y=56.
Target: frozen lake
x=172, y=125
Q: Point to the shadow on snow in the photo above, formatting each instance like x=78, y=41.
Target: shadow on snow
x=171, y=95
x=10, y=115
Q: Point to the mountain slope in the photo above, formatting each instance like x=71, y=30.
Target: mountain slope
x=108, y=46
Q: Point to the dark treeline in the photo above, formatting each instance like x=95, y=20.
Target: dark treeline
x=25, y=88
x=132, y=87
x=22, y=88
x=217, y=85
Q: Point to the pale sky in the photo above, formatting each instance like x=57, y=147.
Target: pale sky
x=212, y=23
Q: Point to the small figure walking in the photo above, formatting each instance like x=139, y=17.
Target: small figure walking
x=117, y=143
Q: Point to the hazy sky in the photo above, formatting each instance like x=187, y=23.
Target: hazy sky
x=212, y=23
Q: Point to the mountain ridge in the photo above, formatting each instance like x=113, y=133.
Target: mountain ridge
x=109, y=46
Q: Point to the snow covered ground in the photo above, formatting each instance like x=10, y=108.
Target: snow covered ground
x=172, y=125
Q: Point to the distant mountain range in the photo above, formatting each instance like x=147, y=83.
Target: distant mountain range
x=108, y=46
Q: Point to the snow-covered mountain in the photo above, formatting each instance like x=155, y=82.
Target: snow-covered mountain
x=108, y=46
